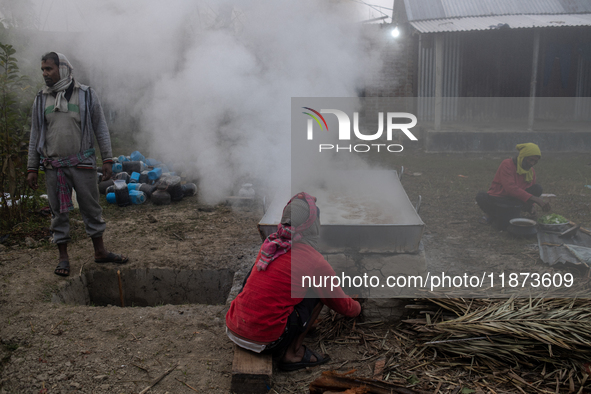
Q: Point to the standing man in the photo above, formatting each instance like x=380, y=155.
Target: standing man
x=66, y=117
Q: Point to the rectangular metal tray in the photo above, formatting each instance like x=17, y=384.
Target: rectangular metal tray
x=361, y=211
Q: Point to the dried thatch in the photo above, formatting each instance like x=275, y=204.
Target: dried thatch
x=515, y=330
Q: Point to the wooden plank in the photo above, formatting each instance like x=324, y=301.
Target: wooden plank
x=251, y=372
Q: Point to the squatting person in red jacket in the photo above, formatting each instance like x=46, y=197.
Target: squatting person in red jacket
x=513, y=188
x=274, y=311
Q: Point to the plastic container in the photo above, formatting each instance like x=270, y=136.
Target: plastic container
x=174, y=188
x=134, y=177
x=119, y=184
x=155, y=174
x=117, y=167
x=189, y=189
x=161, y=197
x=133, y=186
x=121, y=193
x=104, y=185
x=123, y=176
x=111, y=199
x=163, y=167
x=144, y=177
x=134, y=166
x=148, y=189
x=137, y=197
x=153, y=162
x=246, y=191
x=122, y=159
x=137, y=156
x=110, y=189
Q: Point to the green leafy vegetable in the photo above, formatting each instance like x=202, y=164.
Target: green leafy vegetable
x=553, y=219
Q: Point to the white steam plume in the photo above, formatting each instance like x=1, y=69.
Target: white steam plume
x=211, y=82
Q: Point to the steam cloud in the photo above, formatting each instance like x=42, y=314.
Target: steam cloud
x=211, y=82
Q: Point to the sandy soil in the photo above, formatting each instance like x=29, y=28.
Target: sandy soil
x=56, y=348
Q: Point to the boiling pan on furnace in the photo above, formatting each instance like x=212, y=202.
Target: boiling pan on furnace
x=364, y=211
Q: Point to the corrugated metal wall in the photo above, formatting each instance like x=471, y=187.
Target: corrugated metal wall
x=452, y=55
x=467, y=79
x=583, y=90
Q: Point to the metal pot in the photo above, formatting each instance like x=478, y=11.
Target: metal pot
x=522, y=227
x=560, y=227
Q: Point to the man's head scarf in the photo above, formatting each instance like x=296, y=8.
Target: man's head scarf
x=66, y=77
x=299, y=223
x=526, y=150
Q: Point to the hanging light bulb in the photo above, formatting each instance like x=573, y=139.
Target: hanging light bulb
x=395, y=32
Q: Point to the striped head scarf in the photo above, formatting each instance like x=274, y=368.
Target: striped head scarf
x=299, y=222
x=526, y=150
x=66, y=78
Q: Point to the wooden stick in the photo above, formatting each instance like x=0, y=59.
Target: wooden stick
x=437, y=388
x=338, y=382
x=142, y=368
x=581, y=229
x=120, y=288
x=53, y=328
x=159, y=379
x=187, y=385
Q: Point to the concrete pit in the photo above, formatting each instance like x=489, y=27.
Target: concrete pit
x=147, y=287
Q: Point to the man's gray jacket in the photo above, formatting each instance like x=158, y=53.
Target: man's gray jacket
x=93, y=123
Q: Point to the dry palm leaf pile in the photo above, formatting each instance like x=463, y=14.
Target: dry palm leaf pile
x=477, y=346
x=515, y=331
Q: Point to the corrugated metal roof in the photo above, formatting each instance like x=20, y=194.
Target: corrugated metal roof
x=493, y=22
x=444, y=9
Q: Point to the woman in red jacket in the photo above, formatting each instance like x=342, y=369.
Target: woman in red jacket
x=513, y=188
x=275, y=308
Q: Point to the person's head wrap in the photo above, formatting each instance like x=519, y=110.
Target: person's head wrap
x=66, y=77
x=299, y=223
x=526, y=150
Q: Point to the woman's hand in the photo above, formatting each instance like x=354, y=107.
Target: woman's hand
x=545, y=205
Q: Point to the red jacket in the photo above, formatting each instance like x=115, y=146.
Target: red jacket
x=508, y=183
x=260, y=311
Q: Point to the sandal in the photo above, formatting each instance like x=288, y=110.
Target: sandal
x=112, y=258
x=63, y=268
x=305, y=363
x=485, y=220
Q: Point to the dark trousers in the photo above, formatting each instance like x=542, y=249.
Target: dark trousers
x=297, y=323
x=506, y=208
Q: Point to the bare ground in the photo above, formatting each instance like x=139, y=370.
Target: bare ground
x=58, y=348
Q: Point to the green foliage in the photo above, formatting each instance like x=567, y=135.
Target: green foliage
x=553, y=218
x=16, y=96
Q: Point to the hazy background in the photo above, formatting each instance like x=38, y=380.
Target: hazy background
x=205, y=84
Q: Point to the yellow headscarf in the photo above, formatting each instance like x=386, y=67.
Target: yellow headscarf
x=526, y=150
